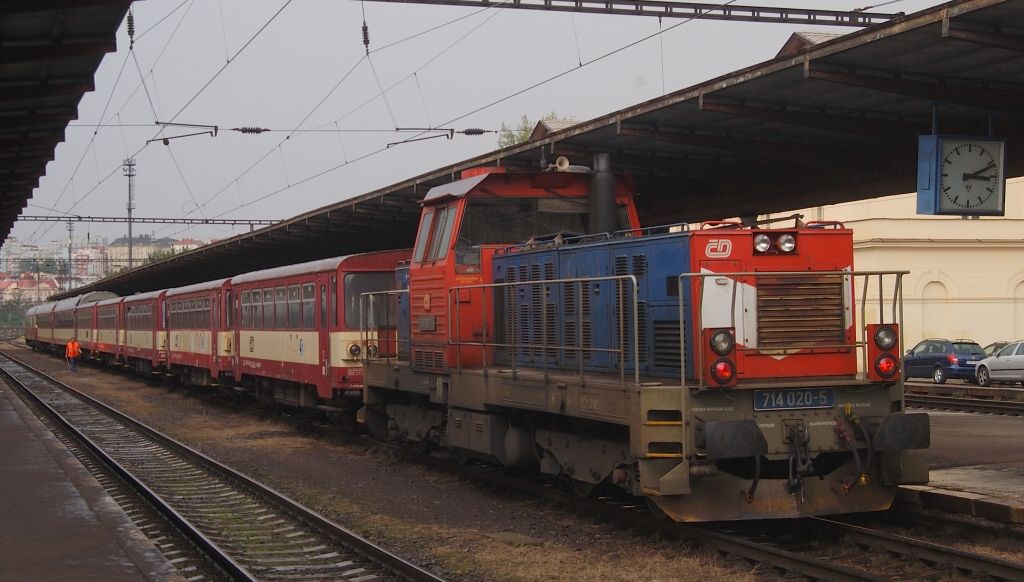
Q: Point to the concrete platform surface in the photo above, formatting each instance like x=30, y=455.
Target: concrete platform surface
x=977, y=466
x=56, y=522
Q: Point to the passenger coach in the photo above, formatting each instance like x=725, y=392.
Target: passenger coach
x=298, y=326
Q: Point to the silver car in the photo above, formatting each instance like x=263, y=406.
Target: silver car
x=1007, y=365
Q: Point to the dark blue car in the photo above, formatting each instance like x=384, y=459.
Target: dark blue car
x=941, y=359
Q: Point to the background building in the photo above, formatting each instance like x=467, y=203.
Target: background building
x=966, y=275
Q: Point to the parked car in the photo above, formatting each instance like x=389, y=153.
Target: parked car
x=992, y=348
x=1007, y=365
x=941, y=359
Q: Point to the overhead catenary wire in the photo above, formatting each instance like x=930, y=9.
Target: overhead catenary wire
x=252, y=38
x=477, y=109
x=106, y=107
x=337, y=85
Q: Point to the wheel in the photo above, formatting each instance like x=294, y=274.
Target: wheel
x=583, y=489
x=984, y=379
x=939, y=375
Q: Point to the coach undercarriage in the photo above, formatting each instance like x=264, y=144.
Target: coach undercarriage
x=693, y=453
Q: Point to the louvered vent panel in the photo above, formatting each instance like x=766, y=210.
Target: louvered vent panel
x=803, y=311
x=666, y=344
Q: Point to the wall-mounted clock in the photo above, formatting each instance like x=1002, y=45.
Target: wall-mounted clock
x=961, y=175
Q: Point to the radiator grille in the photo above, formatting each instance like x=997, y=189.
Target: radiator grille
x=666, y=344
x=800, y=311
x=428, y=359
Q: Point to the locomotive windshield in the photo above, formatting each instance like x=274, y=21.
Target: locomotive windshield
x=509, y=220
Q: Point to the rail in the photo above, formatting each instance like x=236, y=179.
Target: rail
x=180, y=482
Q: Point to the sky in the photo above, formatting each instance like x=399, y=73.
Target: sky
x=300, y=68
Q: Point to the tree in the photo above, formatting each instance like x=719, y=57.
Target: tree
x=510, y=136
x=159, y=256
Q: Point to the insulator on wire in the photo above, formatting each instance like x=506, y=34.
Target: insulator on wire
x=250, y=129
x=131, y=28
x=473, y=131
x=366, y=37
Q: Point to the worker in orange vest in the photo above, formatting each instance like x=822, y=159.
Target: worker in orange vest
x=72, y=353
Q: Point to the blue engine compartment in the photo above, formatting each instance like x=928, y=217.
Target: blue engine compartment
x=587, y=317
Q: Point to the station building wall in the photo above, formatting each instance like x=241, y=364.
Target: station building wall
x=966, y=275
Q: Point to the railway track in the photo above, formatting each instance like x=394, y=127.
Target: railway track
x=815, y=548
x=822, y=549
x=1004, y=407
x=249, y=530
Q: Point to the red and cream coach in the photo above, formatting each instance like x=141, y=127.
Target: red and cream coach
x=200, y=343
x=297, y=327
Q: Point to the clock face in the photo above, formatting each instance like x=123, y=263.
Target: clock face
x=971, y=175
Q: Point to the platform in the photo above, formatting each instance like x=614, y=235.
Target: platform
x=56, y=522
x=976, y=466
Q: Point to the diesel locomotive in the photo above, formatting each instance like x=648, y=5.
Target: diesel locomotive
x=727, y=372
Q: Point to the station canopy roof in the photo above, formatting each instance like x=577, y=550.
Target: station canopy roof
x=822, y=123
x=49, y=53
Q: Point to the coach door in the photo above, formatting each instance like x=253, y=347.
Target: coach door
x=323, y=329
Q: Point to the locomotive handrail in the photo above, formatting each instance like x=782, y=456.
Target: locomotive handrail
x=897, y=308
x=545, y=346
x=366, y=301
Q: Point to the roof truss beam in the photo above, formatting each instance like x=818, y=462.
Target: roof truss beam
x=42, y=91
x=835, y=122
x=1010, y=42
x=891, y=82
x=674, y=9
x=66, y=50
x=743, y=146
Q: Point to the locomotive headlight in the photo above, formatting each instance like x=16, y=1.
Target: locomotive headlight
x=885, y=338
x=762, y=243
x=355, y=350
x=371, y=351
x=787, y=243
x=722, y=342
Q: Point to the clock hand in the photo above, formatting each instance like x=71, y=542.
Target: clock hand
x=978, y=175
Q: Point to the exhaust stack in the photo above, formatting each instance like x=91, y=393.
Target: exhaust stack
x=602, y=196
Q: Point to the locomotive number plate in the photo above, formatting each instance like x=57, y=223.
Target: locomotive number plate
x=794, y=399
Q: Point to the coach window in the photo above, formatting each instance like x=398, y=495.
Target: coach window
x=358, y=283
x=323, y=306
x=268, y=308
x=256, y=310
x=246, y=316
x=281, y=307
x=206, y=321
x=294, y=307
x=308, y=306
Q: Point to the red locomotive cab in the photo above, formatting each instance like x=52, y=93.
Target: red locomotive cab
x=461, y=227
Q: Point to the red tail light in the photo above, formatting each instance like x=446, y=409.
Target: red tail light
x=723, y=371
x=952, y=359
x=886, y=366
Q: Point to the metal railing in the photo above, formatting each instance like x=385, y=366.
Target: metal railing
x=849, y=279
x=627, y=336
x=621, y=282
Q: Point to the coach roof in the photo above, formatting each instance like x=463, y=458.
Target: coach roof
x=204, y=286
x=319, y=266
